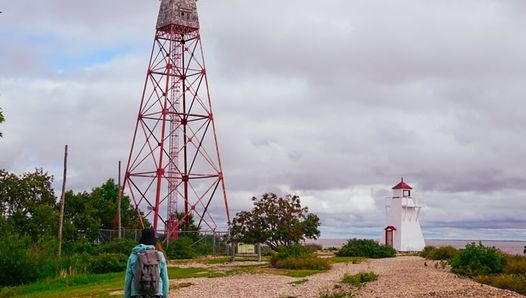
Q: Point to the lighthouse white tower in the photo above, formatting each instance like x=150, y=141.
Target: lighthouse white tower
x=402, y=226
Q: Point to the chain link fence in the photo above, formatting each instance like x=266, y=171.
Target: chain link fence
x=207, y=242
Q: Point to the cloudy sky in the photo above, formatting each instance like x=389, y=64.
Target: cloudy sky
x=333, y=100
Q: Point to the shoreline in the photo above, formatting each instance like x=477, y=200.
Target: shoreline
x=514, y=247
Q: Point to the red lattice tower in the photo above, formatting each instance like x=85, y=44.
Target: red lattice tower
x=174, y=163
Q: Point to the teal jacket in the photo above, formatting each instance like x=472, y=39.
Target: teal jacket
x=129, y=285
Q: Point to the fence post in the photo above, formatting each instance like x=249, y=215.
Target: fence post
x=232, y=251
x=258, y=246
x=214, y=243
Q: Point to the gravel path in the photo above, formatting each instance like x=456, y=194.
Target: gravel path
x=397, y=277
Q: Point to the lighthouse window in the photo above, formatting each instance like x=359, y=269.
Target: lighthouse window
x=406, y=193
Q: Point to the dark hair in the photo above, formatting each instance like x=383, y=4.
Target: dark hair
x=148, y=237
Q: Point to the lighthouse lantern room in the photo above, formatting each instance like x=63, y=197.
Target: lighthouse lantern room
x=402, y=227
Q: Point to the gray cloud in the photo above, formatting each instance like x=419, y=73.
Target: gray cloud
x=334, y=101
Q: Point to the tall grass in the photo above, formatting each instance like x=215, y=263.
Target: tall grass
x=442, y=253
x=297, y=256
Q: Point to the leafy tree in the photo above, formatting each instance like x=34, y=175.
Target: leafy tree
x=275, y=222
x=2, y=119
x=27, y=203
x=86, y=213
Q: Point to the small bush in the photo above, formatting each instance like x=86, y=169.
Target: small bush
x=441, y=253
x=292, y=251
x=181, y=248
x=359, y=279
x=478, y=260
x=365, y=248
x=313, y=246
x=297, y=256
x=108, y=262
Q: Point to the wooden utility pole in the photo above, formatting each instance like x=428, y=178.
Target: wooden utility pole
x=119, y=203
x=62, y=201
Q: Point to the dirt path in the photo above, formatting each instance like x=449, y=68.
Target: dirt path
x=397, y=277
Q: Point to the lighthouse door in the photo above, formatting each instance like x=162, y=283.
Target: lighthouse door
x=389, y=237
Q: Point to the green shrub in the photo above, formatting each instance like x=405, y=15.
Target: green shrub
x=78, y=247
x=292, y=251
x=441, y=253
x=476, y=260
x=123, y=247
x=514, y=282
x=359, y=279
x=297, y=256
x=365, y=248
x=313, y=246
x=108, y=262
x=180, y=248
x=24, y=261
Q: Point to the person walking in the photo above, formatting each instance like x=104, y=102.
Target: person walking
x=146, y=272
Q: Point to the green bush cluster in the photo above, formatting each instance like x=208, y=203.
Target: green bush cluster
x=297, y=256
x=359, y=279
x=365, y=248
x=180, y=248
x=441, y=253
x=476, y=260
x=108, y=262
x=23, y=260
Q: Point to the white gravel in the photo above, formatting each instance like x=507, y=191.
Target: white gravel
x=397, y=277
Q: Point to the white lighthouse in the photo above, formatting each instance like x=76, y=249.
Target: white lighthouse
x=402, y=226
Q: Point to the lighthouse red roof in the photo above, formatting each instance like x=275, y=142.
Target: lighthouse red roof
x=402, y=185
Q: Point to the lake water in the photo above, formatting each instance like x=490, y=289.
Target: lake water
x=511, y=247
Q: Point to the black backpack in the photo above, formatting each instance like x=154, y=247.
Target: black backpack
x=147, y=272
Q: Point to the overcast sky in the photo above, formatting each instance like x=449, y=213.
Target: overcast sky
x=332, y=100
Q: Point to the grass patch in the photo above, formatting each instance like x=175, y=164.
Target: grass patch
x=354, y=260
x=90, y=285
x=359, y=279
x=302, y=272
x=298, y=282
x=96, y=285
